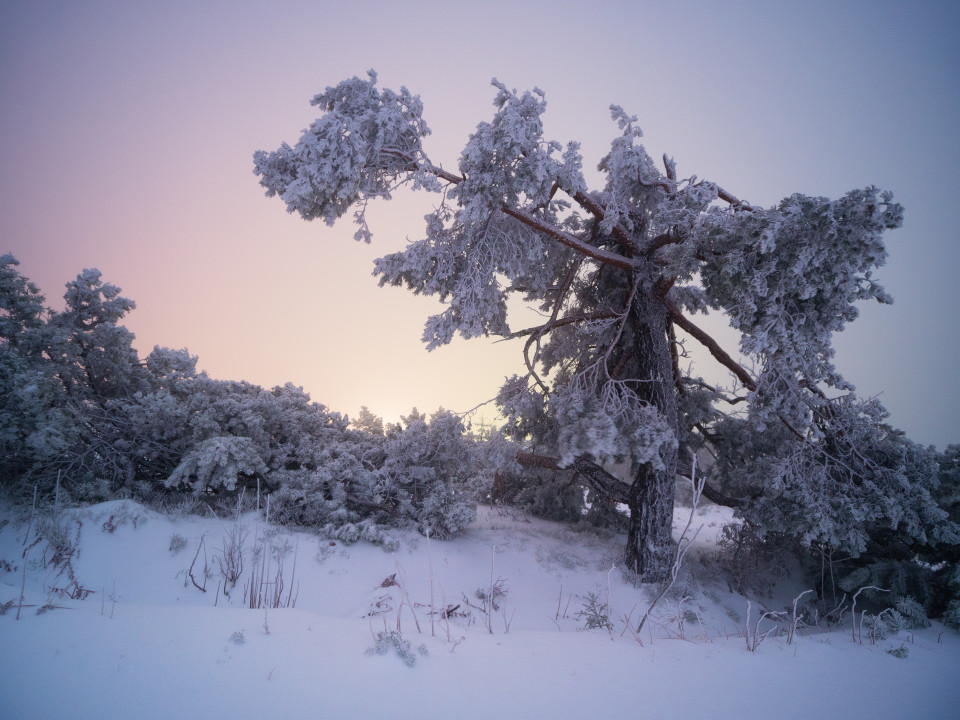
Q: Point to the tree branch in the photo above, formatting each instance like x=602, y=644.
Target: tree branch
x=718, y=498
x=719, y=354
x=531, y=363
x=598, y=254
x=675, y=358
x=606, y=485
x=536, y=335
x=733, y=199
x=568, y=320
x=662, y=240
x=670, y=167
x=735, y=400
x=593, y=207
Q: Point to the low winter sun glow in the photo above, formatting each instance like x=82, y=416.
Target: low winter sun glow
x=128, y=130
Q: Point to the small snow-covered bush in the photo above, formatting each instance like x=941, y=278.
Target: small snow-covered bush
x=899, y=652
x=914, y=616
x=415, y=475
x=444, y=516
x=393, y=640
x=177, y=543
x=365, y=530
x=595, y=613
x=217, y=463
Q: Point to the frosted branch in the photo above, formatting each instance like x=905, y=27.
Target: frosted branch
x=718, y=352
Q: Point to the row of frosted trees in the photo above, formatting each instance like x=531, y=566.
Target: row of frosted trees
x=83, y=419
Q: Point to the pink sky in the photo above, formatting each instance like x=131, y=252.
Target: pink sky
x=128, y=129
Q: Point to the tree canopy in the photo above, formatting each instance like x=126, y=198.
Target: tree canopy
x=618, y=272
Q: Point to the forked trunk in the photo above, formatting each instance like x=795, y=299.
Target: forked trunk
x=650, y=541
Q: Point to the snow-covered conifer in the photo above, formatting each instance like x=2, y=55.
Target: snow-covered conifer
x=618, y=272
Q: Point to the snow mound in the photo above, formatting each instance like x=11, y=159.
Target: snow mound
x=114, y=624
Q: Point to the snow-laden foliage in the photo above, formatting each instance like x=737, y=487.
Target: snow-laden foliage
x=64, y=370
x=795, y=284
x=417, y=473
x=616, y=273
x=82, y=418
x=419, y=469
x=21, y=304
x=362, y=146
x=218, y=463
x=368, y=422
x=860, y=479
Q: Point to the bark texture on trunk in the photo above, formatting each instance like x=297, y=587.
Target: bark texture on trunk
x=650, y=541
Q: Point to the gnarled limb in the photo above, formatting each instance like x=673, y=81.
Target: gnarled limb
x=599, y=254
x=719, y=354
x=568, y=320
x=621, y=235
x=606, y=485
x=733, y=199
x=595, y=253
x=718, y=498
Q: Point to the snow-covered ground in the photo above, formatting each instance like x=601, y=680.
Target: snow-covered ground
x=146, y=643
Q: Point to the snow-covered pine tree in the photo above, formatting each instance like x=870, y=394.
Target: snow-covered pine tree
x=22, y=314
x=68, y=369
x=617, y=272
x=368, y=422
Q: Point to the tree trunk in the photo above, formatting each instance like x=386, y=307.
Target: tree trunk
x=650, y=538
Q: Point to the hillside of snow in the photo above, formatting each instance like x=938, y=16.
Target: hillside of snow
x=490, y=624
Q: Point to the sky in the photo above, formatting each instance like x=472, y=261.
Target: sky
x=127, y=131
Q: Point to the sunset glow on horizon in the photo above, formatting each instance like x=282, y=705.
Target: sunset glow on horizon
x=128, y=131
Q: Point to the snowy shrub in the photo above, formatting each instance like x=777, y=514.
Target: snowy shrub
x=882, y=493
x=365, y=530
x=82, y=418
x=443, y=516
x=751, y=562
x=914, y=616
x=218, y=463
x=420, y=470
x=347, y=534
x=62, y=536
x=491, y=597
x=595, y=613
x=899, y=652
x=392, y=640
x=177, y=543
x=230, y=558
x=883, y=625
x=857, y=579
x=904, y=574
x=412, y=475
x=339, y=492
